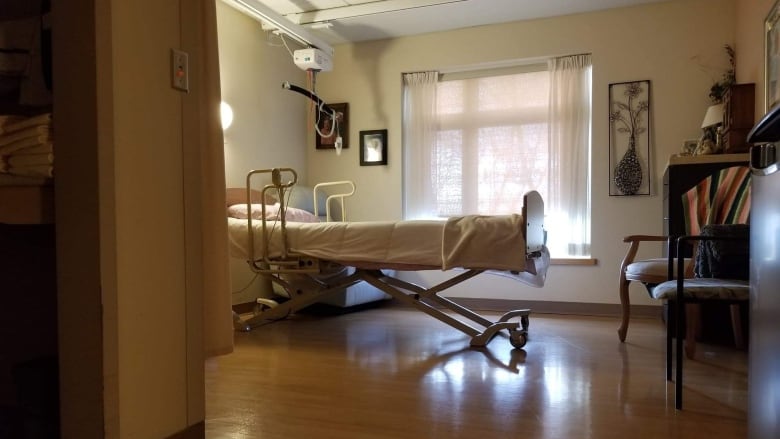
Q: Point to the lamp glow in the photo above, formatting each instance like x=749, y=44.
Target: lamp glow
x=226, y=114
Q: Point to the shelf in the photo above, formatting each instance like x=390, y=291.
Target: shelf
x=706, y=158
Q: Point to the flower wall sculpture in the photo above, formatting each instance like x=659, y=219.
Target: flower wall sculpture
x=626, y=117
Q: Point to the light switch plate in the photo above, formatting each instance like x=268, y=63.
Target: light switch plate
x=180, y=72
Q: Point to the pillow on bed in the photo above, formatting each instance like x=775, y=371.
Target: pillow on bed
x=272, y=213
x=236, y=195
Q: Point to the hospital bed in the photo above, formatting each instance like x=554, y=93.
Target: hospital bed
x=324, y=202
x=308, y=260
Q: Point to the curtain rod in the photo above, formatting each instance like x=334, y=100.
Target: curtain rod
x=497, y=64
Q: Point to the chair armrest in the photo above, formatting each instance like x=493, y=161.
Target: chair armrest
x=628, y=259
x=640, y=238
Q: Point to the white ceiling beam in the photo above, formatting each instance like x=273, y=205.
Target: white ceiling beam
x=266, y=15
x=363, y=9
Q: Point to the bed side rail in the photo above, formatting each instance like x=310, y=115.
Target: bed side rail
x=288, y=261
x=533, y=213
x=347, y=190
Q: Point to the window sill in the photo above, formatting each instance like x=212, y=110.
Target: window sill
x=574, y=261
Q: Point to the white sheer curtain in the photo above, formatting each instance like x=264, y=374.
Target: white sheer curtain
x=419, y=134
x=568, y=204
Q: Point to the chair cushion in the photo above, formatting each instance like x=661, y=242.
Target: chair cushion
x=704, y=288
x=651, y=270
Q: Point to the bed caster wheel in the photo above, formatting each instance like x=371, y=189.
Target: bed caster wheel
x=239, y=325
x=518, y=338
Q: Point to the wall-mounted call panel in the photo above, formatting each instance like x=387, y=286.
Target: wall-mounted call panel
x=180, y=72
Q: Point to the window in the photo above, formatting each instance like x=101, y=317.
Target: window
x=475, y=145
x=491, y=144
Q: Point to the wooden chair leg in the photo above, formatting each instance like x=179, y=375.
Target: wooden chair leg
x=692, y=327
x=736, y=326
x=626, y=306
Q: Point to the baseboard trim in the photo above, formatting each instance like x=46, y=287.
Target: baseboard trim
x=195, y=431
x=537, y=306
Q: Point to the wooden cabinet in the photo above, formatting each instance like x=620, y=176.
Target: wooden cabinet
x=738, y=117
x=684, y=172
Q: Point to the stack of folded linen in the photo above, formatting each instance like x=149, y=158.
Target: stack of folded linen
x=26, y=147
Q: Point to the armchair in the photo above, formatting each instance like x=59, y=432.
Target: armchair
x=650, y=272
x=721, y=198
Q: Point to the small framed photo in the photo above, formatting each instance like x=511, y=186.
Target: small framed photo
x=327, y=132
x=373, y=147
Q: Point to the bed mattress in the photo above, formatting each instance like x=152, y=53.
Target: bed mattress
x=474, y=242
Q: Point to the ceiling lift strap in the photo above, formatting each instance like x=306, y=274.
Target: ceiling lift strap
x=322, y=107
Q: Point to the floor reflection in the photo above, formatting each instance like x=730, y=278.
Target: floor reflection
x=400, y=374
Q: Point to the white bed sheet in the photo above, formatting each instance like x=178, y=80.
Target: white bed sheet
x=479, y=242
x=493, y=243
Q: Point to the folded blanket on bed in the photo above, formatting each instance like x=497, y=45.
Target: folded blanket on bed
x=473, y=241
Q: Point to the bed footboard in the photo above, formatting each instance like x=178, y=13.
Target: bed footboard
x=533, y=213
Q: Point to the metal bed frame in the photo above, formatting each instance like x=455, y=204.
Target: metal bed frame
x=424, y=299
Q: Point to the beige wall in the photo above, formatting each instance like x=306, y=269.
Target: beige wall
x=269, y=125
x=131, y=362
x=676, y=45
x=269, y=128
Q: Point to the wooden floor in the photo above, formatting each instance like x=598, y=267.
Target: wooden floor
x=394, y=372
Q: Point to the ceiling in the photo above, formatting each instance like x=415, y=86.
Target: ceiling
x=343, y=21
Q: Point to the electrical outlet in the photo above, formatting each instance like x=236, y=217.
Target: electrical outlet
x=180, y=73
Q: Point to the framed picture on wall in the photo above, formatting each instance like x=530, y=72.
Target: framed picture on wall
x=772, y=58
x=373, y=147
x=328, y=132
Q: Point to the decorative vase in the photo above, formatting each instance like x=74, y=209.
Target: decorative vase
x=628, y=172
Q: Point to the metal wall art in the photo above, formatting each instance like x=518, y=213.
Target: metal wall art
x=629, y=138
